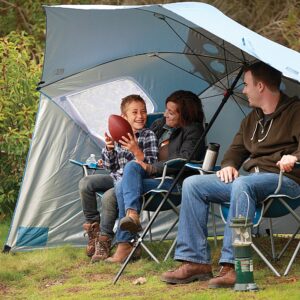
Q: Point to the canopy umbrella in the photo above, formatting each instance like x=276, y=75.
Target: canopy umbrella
x=97, y=54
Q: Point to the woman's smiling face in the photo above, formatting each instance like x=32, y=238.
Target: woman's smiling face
x=172, y=115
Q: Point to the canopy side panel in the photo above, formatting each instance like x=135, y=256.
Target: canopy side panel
x=49, y=210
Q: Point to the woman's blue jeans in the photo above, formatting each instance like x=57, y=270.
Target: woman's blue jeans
x=243, y=193
x=129, y=190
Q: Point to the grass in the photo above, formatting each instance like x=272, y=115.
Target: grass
x=66, y=273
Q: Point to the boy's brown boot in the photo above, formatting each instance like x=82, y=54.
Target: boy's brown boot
x=102, y=248
x=131, y=222
x=92, y=230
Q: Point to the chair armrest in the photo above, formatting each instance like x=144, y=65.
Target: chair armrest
x=85, y=166
x=198, y=166
x=176, y=163
x=297, y=166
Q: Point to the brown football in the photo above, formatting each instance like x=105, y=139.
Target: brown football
x=118, y=127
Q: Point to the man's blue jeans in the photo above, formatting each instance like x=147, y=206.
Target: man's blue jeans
x=134, y=183
x=243, y=193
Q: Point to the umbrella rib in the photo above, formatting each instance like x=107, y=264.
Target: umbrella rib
x=176, y=66
x=199, y=54
x=193, y=29
x=239, y=106
x=207, y=97
x=225, y=57
x=213, y=76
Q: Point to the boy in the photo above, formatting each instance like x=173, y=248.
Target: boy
x=142, y=146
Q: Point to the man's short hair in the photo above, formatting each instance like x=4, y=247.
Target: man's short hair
x=265, y=73
x=129, y=99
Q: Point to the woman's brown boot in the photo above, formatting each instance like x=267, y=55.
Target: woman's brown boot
x=131, y=222
x=122, y=252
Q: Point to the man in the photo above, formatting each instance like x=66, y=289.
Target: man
x=267, y=142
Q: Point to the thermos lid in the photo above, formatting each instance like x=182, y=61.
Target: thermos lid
x=214, y=146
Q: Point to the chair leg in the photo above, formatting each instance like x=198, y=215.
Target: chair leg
x=149, y=252
x=288, y=243
x=292, y=259
x=150, y=232
x=212, y=209
x=169, y=230
x=265, y=260
x=171, y=249
x=272, y=239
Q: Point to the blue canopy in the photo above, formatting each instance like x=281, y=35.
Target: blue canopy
x=95, y=55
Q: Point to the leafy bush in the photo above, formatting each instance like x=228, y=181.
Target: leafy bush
x=20, y=72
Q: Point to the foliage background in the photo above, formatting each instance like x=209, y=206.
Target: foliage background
x=22, y=36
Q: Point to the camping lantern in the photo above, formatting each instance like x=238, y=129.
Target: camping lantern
x=242, y=240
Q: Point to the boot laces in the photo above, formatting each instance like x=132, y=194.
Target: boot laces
x=102, y=247
x=224, y=270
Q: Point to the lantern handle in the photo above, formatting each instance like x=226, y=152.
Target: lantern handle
x=236, y=209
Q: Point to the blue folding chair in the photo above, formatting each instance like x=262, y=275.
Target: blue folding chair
x=153, y=198
x=274, y=206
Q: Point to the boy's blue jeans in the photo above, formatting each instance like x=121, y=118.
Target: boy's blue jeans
x=243, y=193
x=134, y=183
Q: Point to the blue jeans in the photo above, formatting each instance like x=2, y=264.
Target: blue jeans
x=129, y=190
x=243, y=193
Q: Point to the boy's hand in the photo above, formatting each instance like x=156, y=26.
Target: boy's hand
x=100, y=163
x=130, y=143
x=109, y=142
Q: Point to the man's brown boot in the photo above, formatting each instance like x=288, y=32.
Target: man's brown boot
x=92, y=230
x=102, y=248
x=123, y=250
x=225, y=279
x=131, y=222
x=188, y=272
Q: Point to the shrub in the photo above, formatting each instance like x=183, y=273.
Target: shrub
x=20, y=72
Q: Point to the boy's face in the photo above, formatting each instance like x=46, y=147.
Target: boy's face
x=136, y=115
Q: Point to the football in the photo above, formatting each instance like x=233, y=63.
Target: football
x=118, y=127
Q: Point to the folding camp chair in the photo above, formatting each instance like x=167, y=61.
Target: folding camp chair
x=152, y=199
x=274, y=206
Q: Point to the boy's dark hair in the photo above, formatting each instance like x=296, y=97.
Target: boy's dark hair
x=189, y=107
x=265, y=73
x=129, y=99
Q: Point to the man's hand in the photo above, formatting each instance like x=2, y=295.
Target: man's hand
x=109, y=142
x=287, y=162
x=228, y=174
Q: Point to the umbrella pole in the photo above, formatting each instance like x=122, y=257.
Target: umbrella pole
x=227, y=94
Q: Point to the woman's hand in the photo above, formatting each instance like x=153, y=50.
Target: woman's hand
x=287, y=162
x=228, y=174
x=109, y=142
x=142, y=164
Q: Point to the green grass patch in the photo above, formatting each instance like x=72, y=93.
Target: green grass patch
x=66, y=273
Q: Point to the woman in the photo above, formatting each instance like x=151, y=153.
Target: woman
x=177, y=133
